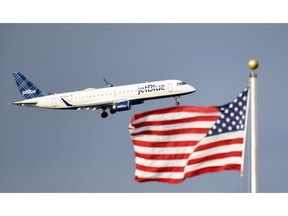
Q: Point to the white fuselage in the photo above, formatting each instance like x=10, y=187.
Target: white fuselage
x=105, y=97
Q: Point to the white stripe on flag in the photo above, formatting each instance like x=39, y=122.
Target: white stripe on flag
x=172, y=138
x=221, y=137
x=161, y=163
x=163, y=127
x=174, y=116
x=217, y=150
x=165, y=150
x=167, y=175
x=213, y=163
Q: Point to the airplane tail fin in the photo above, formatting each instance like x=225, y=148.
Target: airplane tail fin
x=27, y=89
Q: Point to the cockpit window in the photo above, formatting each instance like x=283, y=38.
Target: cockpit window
x=181, y=83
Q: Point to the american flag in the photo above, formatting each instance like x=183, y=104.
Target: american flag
x=175, y=143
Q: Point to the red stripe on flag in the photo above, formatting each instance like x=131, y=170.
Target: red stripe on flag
x=212, y=169
x=173, y=132
x=164, y=144
x=175, y=121
x=159, y=169
x=214, y=157
x=162, y=156
x=166, y=180
x=220, y=143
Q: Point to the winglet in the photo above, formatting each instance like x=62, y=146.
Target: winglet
x=108, y=83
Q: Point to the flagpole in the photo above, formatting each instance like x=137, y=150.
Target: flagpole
x=253, y=65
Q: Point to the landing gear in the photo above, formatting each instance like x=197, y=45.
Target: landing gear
x=112, y=111
x=104, y=114
x=177, y=103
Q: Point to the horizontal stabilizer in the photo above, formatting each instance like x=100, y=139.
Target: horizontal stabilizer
x=25, y=103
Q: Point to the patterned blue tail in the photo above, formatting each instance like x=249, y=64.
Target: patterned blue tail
x=27, y=89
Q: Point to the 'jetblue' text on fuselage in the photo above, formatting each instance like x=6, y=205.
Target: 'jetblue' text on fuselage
x=150, y=88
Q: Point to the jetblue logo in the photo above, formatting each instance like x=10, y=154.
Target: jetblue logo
x=28, y=91
x=121, y=106
x=150, y=88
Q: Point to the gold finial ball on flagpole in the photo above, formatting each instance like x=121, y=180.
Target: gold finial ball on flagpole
x=253, y=64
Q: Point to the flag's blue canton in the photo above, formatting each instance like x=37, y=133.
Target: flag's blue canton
x=232, y=116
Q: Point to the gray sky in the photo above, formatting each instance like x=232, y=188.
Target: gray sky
x=78, y=151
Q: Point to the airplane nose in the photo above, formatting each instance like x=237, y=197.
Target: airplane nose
x=191, y=89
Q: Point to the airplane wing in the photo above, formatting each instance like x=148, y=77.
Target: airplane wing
x=93, y=105
x=98, y=105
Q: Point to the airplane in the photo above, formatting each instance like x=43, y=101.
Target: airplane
x=114, y=98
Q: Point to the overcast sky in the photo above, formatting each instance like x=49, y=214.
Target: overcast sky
x=78, y=151
x=70, y=151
